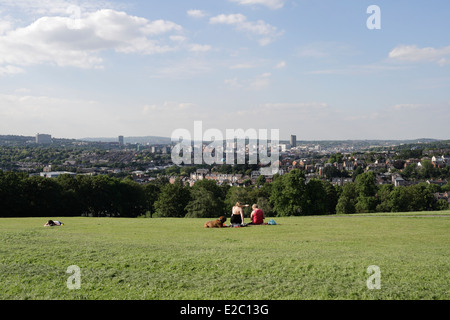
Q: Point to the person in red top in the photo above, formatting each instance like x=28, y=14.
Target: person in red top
x=257, y=216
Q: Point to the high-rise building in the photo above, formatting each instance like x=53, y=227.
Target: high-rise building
x=293, y=141
x=120, y=140
x=43, y=138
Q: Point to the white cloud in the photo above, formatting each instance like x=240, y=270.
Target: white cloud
x=65, y=41
x=29, y=114
x=409, y=106
x=242, y=66
x=233, y=83
x=355, y=70
x=58, y=7
x=280, y=65
x=262, y=81
x=415, y=54
x=196, y=13
x=366, y=117
x=167, y=116
x=260, y=28
x=70, y=117
x=178, y=38
x=271, y=4
x=199, y=47
x=330, y=49
x=182, y=69
x=228, y=19
x=10, y=70
x=295, y=107
x=257, y=83
x=168, y=106
x=312, y=118
x=5, y=25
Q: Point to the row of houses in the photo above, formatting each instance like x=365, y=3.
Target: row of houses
x=441, y=162
x=442, y=196
x=220, y=178
x=350, y=165
x=397, y=180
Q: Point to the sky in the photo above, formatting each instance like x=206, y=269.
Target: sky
x=317, y=69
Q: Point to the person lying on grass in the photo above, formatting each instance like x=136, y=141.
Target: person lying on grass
x=51, y=223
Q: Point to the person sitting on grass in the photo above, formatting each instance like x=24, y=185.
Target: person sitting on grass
x=257, y=215
x=237, y=215
x=51, y=223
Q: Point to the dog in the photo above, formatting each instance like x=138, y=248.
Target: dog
x=216, y=223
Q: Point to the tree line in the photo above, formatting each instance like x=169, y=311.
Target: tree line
x=288, y=195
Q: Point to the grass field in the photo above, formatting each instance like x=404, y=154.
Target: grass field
x=321, y=257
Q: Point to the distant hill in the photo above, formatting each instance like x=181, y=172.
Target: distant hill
x=16, y=139
x=421, y=143
x=140, y=140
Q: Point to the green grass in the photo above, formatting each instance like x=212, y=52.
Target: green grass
x=322, y=257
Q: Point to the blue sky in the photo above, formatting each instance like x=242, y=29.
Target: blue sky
x=77, y=68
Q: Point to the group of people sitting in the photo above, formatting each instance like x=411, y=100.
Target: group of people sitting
x=237, y=215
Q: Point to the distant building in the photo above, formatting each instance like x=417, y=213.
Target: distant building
x=55, y=174
x=154, y=149
x=439, y=182
x=397, y=180
x=43, y=138
x=284, y=147
x=120, y=140
x=293, y=141
x=166, y=149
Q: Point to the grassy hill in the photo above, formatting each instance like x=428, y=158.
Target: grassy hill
x=322, y=257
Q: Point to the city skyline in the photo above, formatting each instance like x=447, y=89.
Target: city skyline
x=78, y=69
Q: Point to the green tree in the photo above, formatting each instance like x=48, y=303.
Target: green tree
x=446, y=187
x=347, y=199
x=314, y=200
x=337, y=157
x=151, y=192
x=238, y=194
x=400, y=199
x=365, y=184
x=331, y=197
x=12, y=196
x=207, y=200
x=43, y=197
x=422, y=198
x=172, y=201
x=331, y=172
x=410, y=171
x=260, y=196
x=130, y=201
x=98, y=195
x=69, y=195
x=442, y=204
x=383, y=195
x=287, y=193
x=366, y=189
x=261, y=180
x=427, y=171
x=357, y=172
x=203, y=204
x=264, y=204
